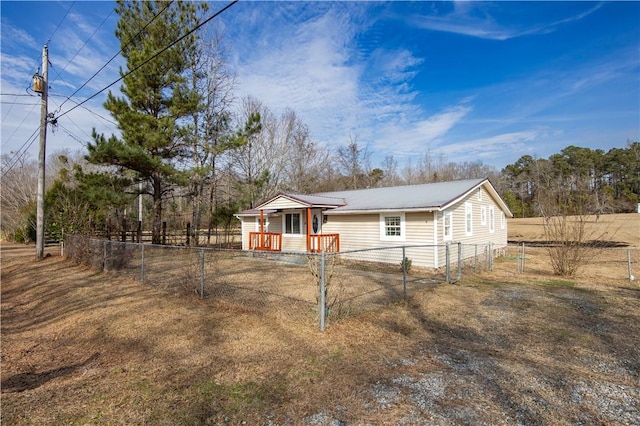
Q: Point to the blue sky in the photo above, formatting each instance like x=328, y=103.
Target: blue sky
x=488, y=81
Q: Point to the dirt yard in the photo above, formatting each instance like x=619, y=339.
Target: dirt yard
x=81, y=347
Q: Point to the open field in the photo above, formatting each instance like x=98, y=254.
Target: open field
x=623, y=229
x=80, y=347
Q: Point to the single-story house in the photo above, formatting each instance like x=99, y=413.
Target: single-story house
x=434, y=214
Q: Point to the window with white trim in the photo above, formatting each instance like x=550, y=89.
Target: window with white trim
x=503, y=220
x=266, y=223
x=292, y=224
x=447, y=226
x=483, y=215
x=468, y=219
x=492, y=226
x=392, y=227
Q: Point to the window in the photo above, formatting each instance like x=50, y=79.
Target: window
x=447, y=224
x=392, y=227
x=479, y=194
x=483, y=215
x=292, y=223
x=492, y=227
x=503, y=220
x=266, y=223
x=468, y=219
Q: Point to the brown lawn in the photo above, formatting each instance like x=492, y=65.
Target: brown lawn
x=501, y=347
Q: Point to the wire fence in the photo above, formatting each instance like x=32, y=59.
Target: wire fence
x=315, y=287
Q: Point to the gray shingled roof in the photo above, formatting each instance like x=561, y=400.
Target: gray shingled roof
x=425, y=196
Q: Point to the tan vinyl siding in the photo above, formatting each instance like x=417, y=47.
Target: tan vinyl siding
x=284, y=204
x=356, y=231
x=363, y=232
x=252, y=224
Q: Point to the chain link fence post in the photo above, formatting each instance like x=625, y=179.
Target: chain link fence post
x=475, y=257
x=322, y=302
x=459, y=261
x=202, y=273
x=142, y=263
x=447, y=262
x=404, y=272
x=491, y=256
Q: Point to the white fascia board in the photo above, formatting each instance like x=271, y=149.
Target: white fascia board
x=376, y=211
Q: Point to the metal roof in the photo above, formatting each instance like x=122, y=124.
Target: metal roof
x=428, y=196
x=425, y=196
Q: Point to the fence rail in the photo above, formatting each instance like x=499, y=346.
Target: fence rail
x=315, y=287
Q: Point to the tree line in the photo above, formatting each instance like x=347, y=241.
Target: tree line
x=574, y=181
x=194, y=153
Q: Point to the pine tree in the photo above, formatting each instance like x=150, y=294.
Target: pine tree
x=153, y=113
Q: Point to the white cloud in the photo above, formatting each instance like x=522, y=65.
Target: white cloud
x=475, y=20
x=404, y=139
x=489, y=148
x=317, y=69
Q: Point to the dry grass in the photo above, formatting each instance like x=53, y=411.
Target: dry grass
x=623, y=229
x=80, y=347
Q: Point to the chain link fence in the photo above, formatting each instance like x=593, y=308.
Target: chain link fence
x=599, y=265
x=319, y=287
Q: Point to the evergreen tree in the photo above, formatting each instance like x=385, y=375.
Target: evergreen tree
x=158, y=100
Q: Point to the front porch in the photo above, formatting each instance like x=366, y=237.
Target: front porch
x=300, y=217
x=272, y=241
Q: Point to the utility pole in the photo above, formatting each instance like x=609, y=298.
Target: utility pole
x=44, y=80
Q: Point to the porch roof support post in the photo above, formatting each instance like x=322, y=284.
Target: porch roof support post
x=308, y=229
x=261, y=229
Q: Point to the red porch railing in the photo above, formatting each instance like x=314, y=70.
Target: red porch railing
x=267, y=241
x=325, y=242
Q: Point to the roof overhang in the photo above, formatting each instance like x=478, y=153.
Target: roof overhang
x=490, y=189
x=285, y=201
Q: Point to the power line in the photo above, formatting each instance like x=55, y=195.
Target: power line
x=113, y=57
x=19, y=155
x=27, y=84
x=60, y=23
x=16, y=103
x=74, y=137
x=68, y=97
x=84, y=107
x=85, y=43
x=196, y=28
x=19, y=125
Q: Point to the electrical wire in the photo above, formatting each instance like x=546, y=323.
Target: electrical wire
x=60, y=23
x=116, y=55
x=72, y=136
x=58, y=74
x=16, y=103
x=196, y=28
x=19, y=155
x=27, y=84
x=84, y=107
x=85, y=43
